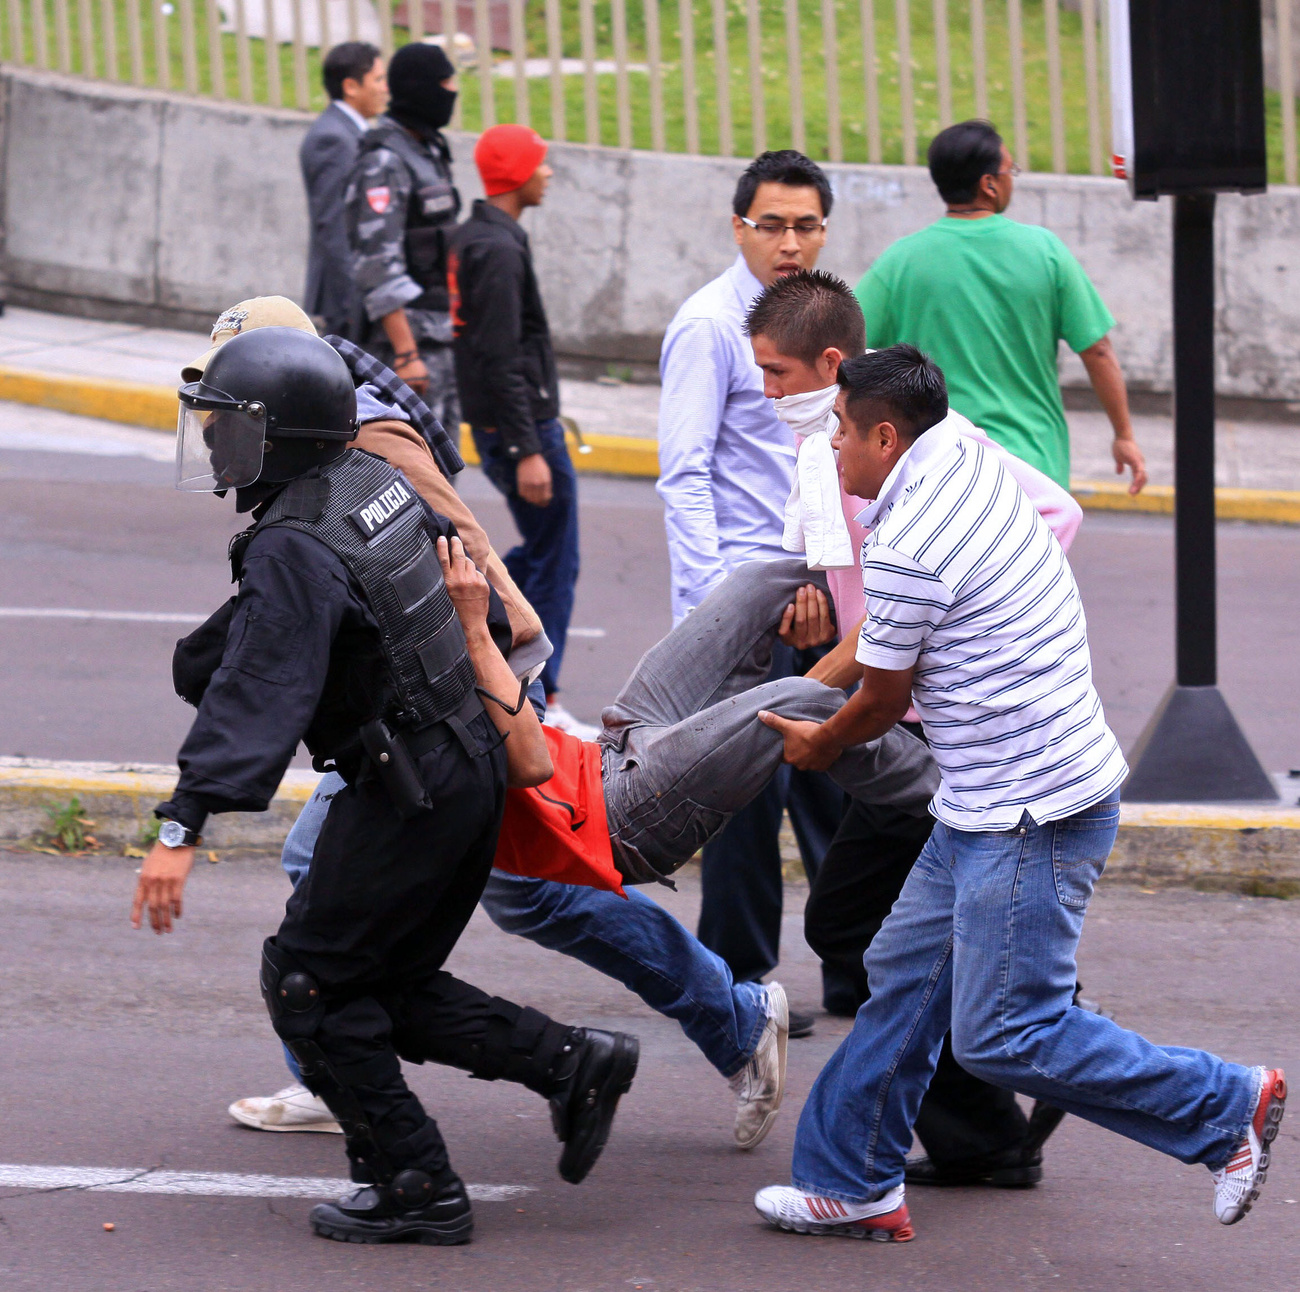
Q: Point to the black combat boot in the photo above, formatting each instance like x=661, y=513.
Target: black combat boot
x=413, y=1209
x=596, y=1068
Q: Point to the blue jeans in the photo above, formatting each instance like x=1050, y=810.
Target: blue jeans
x=983, y=936
x=545, y=563
x=636, y=942
x=640, y=945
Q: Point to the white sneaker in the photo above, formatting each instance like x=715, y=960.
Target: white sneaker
x=1237, y=1185
x=760, y=1084
x=561, y=719
x=294, y=1108
x=885, y=1220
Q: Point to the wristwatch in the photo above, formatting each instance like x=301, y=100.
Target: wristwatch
x=171, y=834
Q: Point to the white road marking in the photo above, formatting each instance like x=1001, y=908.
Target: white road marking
x=211, y=1184
x=122, y=616
x=586, y=632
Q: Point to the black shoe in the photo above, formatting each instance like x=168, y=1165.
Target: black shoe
x=374, y=1214
x=801, y=1024
x=1014, y=1168
x=582, y=1112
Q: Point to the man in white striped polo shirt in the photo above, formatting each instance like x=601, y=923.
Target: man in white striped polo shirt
x=972, y=613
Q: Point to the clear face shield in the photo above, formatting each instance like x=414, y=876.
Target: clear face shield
x=219, y=440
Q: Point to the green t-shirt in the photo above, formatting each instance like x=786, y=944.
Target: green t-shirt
x=988, y=300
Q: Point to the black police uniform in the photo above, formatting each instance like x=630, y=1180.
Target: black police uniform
x=343, y=635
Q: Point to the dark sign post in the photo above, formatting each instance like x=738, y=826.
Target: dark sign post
x=1188, y=95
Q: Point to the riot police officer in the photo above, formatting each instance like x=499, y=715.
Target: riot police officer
x=361, y=629
x=401, y=205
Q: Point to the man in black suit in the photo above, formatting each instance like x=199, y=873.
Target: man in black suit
x=357, y=83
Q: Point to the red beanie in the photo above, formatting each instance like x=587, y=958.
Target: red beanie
x=507, y=156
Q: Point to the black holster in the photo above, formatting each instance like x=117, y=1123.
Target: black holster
x=396, y=769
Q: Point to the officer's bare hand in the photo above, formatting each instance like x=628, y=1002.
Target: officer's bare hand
x=805, y=747
x=468, y=588
x=162, y=880
x=807, y=620
x=533, y=480
x=413, y=372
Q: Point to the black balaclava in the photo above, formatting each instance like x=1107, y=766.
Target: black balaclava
x=417, y=98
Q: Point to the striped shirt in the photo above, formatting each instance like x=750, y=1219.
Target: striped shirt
x=964, y=580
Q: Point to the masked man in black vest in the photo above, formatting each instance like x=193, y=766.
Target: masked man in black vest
x=401, y=206
x=361, y=629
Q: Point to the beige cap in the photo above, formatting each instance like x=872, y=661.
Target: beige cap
x=261, y=311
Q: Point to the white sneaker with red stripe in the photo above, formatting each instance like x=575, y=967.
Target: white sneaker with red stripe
x=1237, y=1185
x=885, y=1220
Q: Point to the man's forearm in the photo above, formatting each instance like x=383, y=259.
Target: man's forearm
x=839, y=667
x=397, y=328
x=861, y=719
x=528, y=760
x=1107, y=379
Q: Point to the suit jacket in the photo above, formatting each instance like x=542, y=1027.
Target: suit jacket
x=326, y=157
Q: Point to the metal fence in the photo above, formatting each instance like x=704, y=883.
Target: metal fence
x=843, y=80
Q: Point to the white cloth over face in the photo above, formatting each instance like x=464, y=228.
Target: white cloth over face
x=814, y=513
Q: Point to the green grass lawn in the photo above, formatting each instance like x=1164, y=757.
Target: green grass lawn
x=776, y=98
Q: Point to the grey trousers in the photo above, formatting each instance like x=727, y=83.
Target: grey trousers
x=683, y=749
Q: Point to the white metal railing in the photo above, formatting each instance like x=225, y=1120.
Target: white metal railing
x=855, y=80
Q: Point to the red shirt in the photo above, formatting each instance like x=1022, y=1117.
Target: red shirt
x=559, y=830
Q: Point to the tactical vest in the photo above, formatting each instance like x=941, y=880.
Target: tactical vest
x=431, y=212
x=368, y=514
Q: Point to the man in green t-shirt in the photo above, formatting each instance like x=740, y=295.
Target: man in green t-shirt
x=989, y=299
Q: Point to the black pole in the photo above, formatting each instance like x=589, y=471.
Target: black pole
x=1194, y=562
x=1192, y=750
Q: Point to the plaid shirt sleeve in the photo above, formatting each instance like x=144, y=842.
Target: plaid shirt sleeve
x=365, y=367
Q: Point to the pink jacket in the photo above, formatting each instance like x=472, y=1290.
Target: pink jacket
x=1052, y=503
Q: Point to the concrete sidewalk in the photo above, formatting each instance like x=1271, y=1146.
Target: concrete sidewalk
x=73, y=364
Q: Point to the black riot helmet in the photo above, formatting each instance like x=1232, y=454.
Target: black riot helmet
x=272, y=404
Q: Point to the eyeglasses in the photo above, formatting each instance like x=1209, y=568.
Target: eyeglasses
x=775, y=228
x=1013, y=169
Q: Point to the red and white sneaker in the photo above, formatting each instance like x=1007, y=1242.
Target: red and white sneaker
x=885, y=1220
x=1237, y=1185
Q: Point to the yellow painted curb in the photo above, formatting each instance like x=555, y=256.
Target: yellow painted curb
x=131, y=402
x=1208, y=816
x=614, y=455
x=1269, y=506
x=63, y=781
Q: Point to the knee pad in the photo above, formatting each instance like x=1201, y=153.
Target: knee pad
x=293, y=998
x=296, y=1004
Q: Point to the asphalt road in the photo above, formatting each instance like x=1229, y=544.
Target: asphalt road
x=121, y=1050
x=109, y=534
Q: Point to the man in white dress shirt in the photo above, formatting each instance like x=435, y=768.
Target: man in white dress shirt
x=726, y=466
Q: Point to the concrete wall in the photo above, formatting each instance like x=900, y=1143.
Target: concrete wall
x=130, y=203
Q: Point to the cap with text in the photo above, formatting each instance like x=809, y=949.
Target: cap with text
x=260, y=311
